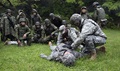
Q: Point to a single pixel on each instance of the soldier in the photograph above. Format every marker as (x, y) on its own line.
(21, 14)
(38, 32)
(90, 34)
(62, 54)
(35, 17)
(50, 31)
(99, 15)
(84, 13)
(56, 20)
(0, 26)
(8, 22)
(23, 33)
(67, 35)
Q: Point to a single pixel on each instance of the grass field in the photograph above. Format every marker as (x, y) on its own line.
(13, 58)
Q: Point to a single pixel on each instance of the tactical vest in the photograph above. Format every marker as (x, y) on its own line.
(22, 31)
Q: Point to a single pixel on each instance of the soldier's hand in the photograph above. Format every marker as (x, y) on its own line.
(19, 42)
(24, 36)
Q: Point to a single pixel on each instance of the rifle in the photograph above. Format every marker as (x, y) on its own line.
(51, 36)
(11, 23)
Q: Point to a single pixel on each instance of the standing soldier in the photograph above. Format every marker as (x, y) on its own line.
(23, 33)
(56, 20)
(21, 14)
(99, 15)
(38, 32)
(0, 25)
(8, 22)
(35, 17)
(50, 30)
(84, 13)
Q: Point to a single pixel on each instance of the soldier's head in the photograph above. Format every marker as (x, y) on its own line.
(63, 30)
(75, 19)
(22, 21)
(84, 9)
(37, 24)
(34, 12)
(68, 59)
(20, 11)
(47, 22)
(9, 11)
(95, 4)
(51, 15)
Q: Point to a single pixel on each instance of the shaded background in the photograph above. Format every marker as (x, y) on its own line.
(64, 8)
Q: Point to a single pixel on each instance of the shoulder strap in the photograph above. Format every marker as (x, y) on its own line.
(81, 25)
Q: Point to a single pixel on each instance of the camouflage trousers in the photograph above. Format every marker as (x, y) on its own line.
(91, 42)
(27, 40)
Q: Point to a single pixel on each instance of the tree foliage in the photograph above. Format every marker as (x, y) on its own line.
(65, 8)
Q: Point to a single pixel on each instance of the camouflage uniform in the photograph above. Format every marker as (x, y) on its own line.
(0, 24)
(56, 20)
(62, 54)
(38, 32)
(99, 15)
(7, 23)
(50, 31)
(91, 34)
(84, 15)
(21, 30)
(21, 14)
(35, 18)
(67, 35)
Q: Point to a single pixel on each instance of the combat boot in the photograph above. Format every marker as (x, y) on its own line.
(101, 49)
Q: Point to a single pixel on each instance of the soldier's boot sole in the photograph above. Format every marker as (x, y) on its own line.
(102, 49)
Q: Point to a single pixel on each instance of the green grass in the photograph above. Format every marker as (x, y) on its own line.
(13, 58)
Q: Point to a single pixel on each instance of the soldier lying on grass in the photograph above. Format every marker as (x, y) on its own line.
(62, 54)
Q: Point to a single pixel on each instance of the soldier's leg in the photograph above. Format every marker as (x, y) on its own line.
(35, 39)
(90, 46)
(12, 38)
(29, 40)
(91, 42)
(46, 39)
(53, 55)
(77, 54)
(6, 37)
(46, 57)
(52, 47)
(20, 42)
(3, 38)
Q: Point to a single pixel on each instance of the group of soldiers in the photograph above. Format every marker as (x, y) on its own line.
(69, 39)
(24, 31)
(73, 44)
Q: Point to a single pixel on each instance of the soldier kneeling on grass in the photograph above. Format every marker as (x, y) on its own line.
(37, 32)
(23, 33)
(90, 34)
